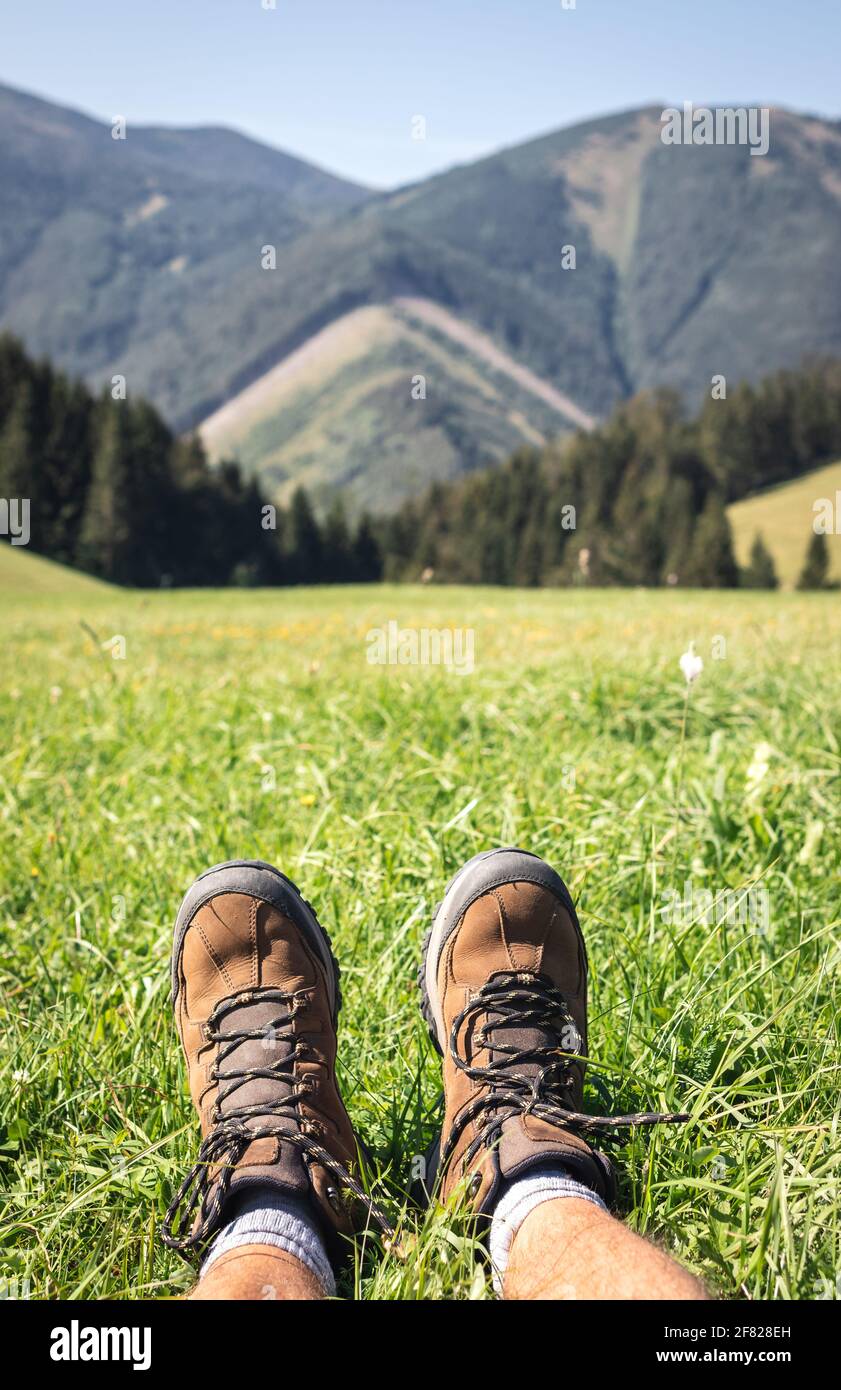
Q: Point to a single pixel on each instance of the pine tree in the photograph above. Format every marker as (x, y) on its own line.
(712, 564)
(337, 558)
(367, 557)
(676, 528)
(21, 467)
(761, 572)
(105, 537)
(17, 464)
(399, 535)
(15, 371)
(306, 553)
(815, 570)
(153, 539)
(189, 462)
(69, 414)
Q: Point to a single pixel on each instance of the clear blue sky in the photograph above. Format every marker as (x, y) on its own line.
(338, 81)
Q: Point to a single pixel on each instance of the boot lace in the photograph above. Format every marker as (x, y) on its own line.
(194, 1212)
(514, 999)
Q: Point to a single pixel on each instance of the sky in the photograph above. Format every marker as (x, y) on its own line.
(340, 82)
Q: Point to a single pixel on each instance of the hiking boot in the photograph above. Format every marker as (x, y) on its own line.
(255, 989)
(504, 987)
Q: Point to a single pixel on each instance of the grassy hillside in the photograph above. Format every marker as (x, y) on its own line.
(252, 724)
(143, 257)
(784, 516)
(23, 573)
(340, 412)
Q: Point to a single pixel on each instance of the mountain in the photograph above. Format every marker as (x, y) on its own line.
(342, 410)
(122, 256)
(143, 257)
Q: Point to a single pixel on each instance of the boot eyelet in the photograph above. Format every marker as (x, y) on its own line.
(475, 1184)
(335, 1200)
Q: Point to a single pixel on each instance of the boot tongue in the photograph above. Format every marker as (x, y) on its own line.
(531, 1037)
(275, 1047)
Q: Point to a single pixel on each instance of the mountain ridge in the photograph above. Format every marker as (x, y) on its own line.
(170, 143)
(690, 262)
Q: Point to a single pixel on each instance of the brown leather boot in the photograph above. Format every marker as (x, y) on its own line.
(255, 989)
(504, 986)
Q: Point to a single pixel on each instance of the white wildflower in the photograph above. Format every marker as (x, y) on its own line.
(691, 664)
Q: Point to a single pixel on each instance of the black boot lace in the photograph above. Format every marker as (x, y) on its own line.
(194, 1212)
(532, 1080)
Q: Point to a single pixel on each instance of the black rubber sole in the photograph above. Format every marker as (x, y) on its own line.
(266, 883)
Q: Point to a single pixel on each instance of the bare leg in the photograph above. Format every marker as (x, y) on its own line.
(258, 1272)
(570, 1249)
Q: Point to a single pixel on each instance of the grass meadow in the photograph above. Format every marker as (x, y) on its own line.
(251, 724)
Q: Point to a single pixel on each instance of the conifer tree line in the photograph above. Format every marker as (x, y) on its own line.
(112, 491)
(649, 490)
(639, 500)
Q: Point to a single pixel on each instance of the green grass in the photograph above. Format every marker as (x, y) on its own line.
(122, 779)
(23, 573)
(785, 516)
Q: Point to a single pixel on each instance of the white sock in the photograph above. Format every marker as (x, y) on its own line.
(269, 1217)
(520, 1197)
